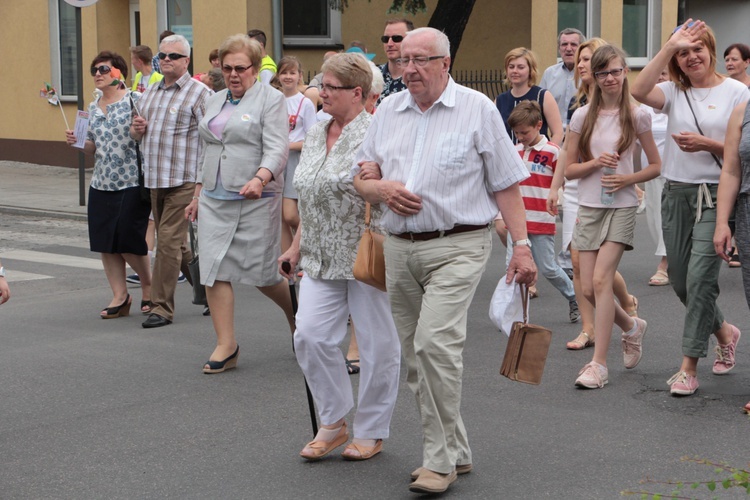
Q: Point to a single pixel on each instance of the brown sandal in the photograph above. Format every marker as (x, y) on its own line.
(581, 342)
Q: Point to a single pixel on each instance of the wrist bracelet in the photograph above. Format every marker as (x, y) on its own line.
(263, 182)
(196, 197)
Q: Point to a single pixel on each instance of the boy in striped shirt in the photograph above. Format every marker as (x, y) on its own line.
(540, 157)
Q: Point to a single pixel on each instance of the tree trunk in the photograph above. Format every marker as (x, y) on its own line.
(450, 17)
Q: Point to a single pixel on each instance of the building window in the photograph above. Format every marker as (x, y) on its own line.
(311, 22)
(641, 22)
(63, 49)
(180, 18)
(583, 15)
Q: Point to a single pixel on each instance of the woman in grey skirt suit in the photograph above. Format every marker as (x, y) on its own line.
(238, 193)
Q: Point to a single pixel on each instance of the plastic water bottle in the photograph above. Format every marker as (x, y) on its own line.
(607, 198)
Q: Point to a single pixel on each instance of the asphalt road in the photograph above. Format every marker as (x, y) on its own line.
(105, 409)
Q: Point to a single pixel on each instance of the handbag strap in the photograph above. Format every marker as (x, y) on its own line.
(695, 118)
(525, 301)
(138, 159)
(193, 242)
(367, 215)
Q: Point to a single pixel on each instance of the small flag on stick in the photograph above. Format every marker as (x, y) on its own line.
(49, 93)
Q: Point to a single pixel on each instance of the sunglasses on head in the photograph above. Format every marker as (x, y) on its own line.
(173, 56)
(395, 38)
(103, 70)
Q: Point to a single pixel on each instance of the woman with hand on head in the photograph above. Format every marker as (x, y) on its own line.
(332, 216)
(697, 101)
(238, 193)
(117, 217)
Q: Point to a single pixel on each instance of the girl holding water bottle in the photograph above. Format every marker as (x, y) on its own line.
(602, 136)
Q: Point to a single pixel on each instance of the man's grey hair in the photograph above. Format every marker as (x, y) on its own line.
(378, 84)
(180, 40)
(442, 44)
(571, 31)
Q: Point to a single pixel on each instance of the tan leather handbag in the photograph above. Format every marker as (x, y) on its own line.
(369, 267)
(527, 348)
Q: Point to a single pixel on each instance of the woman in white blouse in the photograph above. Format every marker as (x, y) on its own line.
(331, 223)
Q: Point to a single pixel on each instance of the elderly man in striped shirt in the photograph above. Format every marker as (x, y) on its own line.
(440, 179)
(168, 131)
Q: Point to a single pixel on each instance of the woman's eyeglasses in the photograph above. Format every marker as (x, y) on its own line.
(602, 75)
(330, 88)
(103, 70)
(237, 69)
(173, 56)
(395, 38)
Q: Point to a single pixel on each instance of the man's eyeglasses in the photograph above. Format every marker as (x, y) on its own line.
(227, 69)
(173, 56)
(330, 88)
(418, 61)
(395, 38)
(103, 70)
(602, 75)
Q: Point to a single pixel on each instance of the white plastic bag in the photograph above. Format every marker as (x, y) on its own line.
(506, 306)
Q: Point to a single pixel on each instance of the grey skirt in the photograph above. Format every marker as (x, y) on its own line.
(240, 240)
(291, 167)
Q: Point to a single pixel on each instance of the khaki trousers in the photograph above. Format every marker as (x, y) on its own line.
(430, 287)
(172, 252)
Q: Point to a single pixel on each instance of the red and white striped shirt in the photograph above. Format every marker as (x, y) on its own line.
(541, 160)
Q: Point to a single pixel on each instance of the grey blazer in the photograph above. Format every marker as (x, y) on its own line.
(256, 135)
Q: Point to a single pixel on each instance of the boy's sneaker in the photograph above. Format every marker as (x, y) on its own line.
(682, 384)
(181, 278)
(593, 376)
(133, 278)
(632, 344)
(725, 354)
(574, 314)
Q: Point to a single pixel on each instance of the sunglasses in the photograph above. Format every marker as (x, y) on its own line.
(395, 38)
(227, 69)
(173, 56)
(103, 70)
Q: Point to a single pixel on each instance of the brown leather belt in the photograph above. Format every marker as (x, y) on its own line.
(431, 235)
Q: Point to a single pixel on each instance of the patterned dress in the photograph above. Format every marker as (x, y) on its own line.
(332, 213)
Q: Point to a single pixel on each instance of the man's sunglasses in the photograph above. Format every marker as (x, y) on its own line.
(395, 38)
(173, 56)
(103, 70)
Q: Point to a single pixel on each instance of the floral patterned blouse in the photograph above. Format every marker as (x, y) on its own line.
(115, 165)
(332, 213)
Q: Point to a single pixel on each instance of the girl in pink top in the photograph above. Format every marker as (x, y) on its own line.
(602, 137)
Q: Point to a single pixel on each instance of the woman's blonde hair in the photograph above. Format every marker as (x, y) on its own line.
(242, 43)
(352, 70)
(530, 60)
(599, 62)
(582, 94)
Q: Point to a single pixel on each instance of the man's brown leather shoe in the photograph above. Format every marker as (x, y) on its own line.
(432, 482)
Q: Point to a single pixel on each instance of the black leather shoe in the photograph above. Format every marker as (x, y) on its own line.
(155, 321)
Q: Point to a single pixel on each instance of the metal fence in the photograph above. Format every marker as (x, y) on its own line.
(487, 81)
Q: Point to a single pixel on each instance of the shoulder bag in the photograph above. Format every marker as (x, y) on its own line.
(199, 291)
(369, 267)
(528, 345)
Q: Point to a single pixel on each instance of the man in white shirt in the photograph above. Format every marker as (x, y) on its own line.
(444, 175)
(558, 78)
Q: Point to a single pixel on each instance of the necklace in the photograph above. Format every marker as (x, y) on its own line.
(232, 101)
(692, 93)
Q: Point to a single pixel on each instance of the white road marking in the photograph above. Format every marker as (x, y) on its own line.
(15, 276)
(52, 258)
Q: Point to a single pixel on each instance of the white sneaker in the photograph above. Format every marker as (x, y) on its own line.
(593, 376)
(632, 344)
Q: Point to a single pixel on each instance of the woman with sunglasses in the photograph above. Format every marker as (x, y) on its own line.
(238, 193)
(697, 101)
(117, 217)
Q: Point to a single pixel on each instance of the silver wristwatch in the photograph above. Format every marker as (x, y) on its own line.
(2, 272)
(525, 243)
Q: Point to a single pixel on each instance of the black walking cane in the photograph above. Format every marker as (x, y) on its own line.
(287, 268)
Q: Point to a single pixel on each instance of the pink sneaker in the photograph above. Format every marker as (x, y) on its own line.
(682, 384)
(631, 344)
(725, 354)
(593, 376)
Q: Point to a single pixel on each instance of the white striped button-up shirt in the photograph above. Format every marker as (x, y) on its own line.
(172, 145)
(454, 156)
